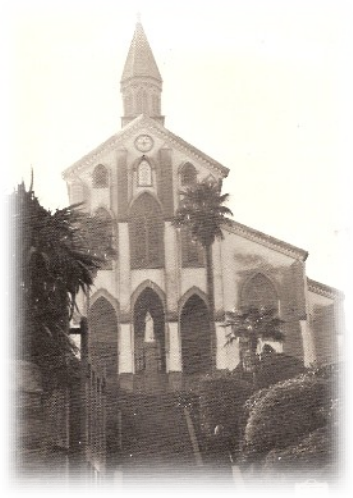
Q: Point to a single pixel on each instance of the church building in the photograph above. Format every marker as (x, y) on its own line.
(148, 309)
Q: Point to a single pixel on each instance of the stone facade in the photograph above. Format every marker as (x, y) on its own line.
(136, 177)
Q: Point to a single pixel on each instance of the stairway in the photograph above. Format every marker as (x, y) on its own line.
(158, 456)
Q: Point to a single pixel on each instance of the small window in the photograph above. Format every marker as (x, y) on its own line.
(128, 105)
(144, 174)
(100, 176)
(156, 107)
(188, 175)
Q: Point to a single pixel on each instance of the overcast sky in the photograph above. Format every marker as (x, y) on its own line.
(260, 86)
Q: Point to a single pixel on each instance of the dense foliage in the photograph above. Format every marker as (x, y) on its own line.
(52, 265)
(294, 421)
(250, 326)
(202, 210)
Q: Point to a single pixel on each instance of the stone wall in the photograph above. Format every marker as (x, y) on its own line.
(22, 449)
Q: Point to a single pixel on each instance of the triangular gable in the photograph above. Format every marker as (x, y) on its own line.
(265, 240)
(129, 130)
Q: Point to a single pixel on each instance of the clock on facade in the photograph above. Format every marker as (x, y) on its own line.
(144, 143)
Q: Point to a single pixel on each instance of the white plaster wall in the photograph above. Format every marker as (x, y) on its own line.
(139, 276)
(239, 254)
(221, 353)
(191, 277)
(106, 279)
(126, 355)
(174, 348)
(308, 343)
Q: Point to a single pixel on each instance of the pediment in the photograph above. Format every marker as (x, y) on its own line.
(142, 124)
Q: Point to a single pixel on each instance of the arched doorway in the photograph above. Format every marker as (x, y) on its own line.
(195, 336)
(149, 329)
(103, 338)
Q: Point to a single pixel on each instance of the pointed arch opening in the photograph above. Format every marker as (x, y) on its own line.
(104, 238)
(149, 332)
(100, 177)
(146, 229)
(144, 173)
(259, 292)
(103, 337)
(188, 175)
(195, 336)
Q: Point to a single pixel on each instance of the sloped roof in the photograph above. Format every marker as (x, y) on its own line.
(266, 240)
(143, 122)
(140, 61)
(324, 290)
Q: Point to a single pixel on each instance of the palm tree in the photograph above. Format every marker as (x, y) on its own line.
(203, 213)
(250, 326)
(52, 265)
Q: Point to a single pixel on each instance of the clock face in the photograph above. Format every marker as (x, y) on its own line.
(144, 143)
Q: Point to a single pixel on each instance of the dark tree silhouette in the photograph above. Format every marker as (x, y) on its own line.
(203, 212)
(52, 264)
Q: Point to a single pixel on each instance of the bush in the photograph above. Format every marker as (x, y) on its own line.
(283, 415)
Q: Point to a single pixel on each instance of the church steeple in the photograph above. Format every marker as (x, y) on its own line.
(141, 82)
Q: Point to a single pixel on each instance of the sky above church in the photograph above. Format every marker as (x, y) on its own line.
(260, 86)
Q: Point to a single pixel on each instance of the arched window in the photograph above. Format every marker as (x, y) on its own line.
(103, 238)
(259, 292)
(146, 229)
(141, 102)
(188, 175)
(156, 106)
(145, 103)
(103, 338)
(128, 104)
(144, 174)
(192, 253)
(100, 176)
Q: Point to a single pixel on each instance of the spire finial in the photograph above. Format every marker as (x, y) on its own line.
(138, 16)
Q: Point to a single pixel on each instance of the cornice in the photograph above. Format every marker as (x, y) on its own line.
(324, 290)
(266, 240)
(128, 131)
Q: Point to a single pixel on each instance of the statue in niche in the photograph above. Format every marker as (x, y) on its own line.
(149, 328)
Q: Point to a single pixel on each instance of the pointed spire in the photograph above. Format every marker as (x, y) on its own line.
(141, 81)
(140, 61)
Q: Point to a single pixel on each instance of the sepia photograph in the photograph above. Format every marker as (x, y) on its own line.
(177, 223)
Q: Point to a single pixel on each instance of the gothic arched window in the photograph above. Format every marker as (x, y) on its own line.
(128, 104)
(103, 238)
(259, 292)
(188, 175)
(156, 107)
(100, 176)
(144, 174)
(146, 229)
(192, 253)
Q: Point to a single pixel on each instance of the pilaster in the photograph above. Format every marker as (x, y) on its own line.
(126, 349)
(175, 364)
(124, 267)
(171, 267)
(221, 351)
(308, 343)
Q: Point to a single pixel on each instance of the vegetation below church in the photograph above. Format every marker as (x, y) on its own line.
(52, 264)
(292, 426)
